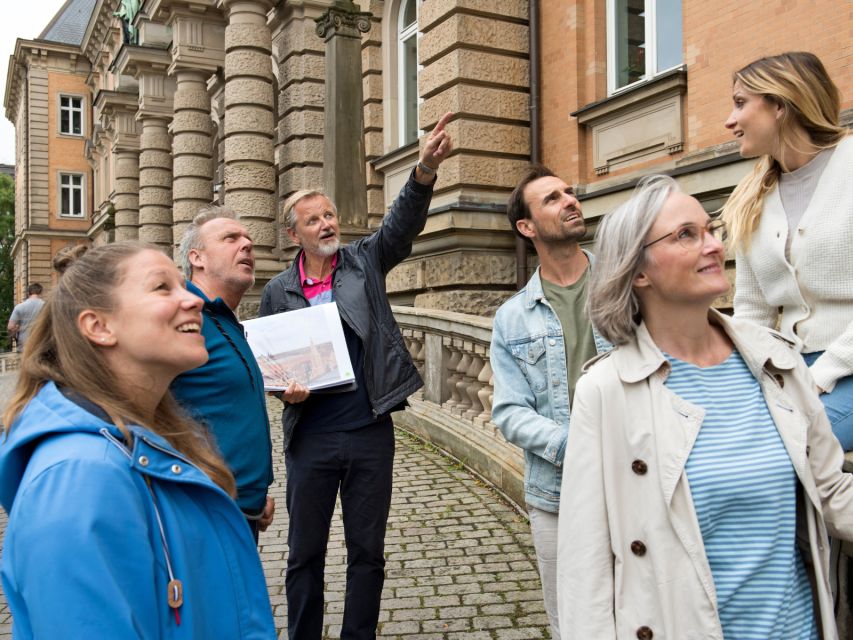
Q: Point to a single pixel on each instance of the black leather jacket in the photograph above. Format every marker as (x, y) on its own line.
(359, 291)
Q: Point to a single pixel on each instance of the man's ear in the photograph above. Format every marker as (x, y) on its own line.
(293, 237)
(526, 228)
(94, 326)
(195, 260)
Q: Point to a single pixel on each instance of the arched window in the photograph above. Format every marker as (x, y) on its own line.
(407, 66)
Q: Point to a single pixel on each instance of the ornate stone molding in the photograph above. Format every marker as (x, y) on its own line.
(343, 19)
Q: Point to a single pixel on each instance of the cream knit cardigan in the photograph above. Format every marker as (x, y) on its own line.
(814, 291)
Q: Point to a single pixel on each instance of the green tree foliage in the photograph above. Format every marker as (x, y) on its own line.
(7, 238)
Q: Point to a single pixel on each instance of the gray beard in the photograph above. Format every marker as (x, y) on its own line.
(330, 249)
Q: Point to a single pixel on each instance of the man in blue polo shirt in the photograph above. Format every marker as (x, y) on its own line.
(227, 393)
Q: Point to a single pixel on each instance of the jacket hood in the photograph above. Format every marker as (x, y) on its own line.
(758, 346)
(48, 413)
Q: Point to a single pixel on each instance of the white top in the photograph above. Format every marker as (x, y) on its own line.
(814, 290)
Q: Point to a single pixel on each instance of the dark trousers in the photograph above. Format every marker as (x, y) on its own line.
(360, 464)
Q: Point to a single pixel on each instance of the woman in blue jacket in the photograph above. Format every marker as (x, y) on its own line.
(121, 517)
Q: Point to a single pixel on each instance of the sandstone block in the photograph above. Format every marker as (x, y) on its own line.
(466, 99)
(156, 234)
(263, 233)
(371, 85)
(252, 205)
(248, 147)
(301, 151)
(301, 123)
(491, 137)
(469, 268)
(244, 90)
(305, 65)
(475, 32)
(300, 177)
(191, 95)
(299, 95)
(127, 185)
(248, 175)
(476, 171)
(191, 167)
(188, 188)
(473, 301)
(152, 201)
(155, 177)
(246, 62)
(192, 122)
(193, 143)
(434, 11)
(126, 232)
(479, 66)
(253, 36)
(248, 119)
(371, 58)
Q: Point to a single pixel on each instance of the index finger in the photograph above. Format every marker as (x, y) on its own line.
(443, 122)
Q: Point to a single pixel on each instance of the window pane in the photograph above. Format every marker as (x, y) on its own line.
(64, 102)
(77, 180)
(409, 94)
(78, 202)
(668, 33)
(630, 41)
(76, 119)
(64, 126)
(409, 14)
(66, 201)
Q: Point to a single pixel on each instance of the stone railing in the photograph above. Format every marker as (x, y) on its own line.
(453, 410)
(9, 362)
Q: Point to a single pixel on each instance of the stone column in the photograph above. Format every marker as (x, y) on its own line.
(127, 194)
(192, 145)
(341, 27)
(249, 125)
(155, 183)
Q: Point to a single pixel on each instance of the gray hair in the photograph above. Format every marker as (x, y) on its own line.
(619, 256)
(191, 239)
(288, 211)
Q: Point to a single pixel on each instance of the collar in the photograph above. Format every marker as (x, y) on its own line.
(533, 288)
(303, 280)
(758, 346)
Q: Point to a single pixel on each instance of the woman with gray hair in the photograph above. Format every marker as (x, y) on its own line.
(698, 450)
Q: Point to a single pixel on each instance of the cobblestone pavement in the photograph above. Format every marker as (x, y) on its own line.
(460, 561)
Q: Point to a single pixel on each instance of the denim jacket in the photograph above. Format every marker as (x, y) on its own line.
(531, 402)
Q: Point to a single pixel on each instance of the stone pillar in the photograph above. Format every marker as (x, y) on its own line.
(126, 201)
(249, 125)
(341, 27)
(192, 146)
(155, 183)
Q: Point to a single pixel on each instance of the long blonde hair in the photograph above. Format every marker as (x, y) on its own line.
(56, 350)
(798, 82)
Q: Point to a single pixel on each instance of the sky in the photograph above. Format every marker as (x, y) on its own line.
(27, 24)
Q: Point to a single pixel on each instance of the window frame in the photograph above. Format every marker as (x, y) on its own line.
(650, 46)
(404, 34)
(71, 110)
(71, 187)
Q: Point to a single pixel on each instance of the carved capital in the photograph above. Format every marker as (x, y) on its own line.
(343, 19)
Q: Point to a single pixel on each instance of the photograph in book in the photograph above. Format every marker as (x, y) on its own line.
(305, 346)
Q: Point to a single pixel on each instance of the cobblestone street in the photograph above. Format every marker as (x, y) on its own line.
(460, 561)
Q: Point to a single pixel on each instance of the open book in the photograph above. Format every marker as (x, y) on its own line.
(305, 346)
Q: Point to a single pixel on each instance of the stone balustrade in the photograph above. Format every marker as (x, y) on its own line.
(453, 410)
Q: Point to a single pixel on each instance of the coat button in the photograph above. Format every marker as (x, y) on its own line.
(552, 342)
(645, 633)
(143, 461)
(639, 467)
(638, 548)
(176, 469)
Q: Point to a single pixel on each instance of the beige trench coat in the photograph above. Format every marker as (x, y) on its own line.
(631, 558)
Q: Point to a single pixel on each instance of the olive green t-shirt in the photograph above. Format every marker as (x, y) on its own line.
(569, 303)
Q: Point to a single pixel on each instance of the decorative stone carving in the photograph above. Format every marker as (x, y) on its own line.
(343, 19)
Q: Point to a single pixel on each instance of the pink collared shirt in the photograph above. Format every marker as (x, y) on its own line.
(317, 291)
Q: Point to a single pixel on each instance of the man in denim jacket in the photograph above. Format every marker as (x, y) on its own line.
(541, 338)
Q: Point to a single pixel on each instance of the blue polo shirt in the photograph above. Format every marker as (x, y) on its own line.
(227, 395)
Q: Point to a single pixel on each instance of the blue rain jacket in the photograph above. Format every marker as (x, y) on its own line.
(84, 556)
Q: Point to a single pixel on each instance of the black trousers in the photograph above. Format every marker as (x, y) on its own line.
(359, 463)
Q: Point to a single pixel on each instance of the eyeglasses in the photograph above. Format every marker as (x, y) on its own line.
(692, 236)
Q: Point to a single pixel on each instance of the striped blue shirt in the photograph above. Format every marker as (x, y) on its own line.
(744, 490)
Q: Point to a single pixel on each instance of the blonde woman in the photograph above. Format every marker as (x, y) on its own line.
(121, 517)
(698, 450)
(791, 219)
